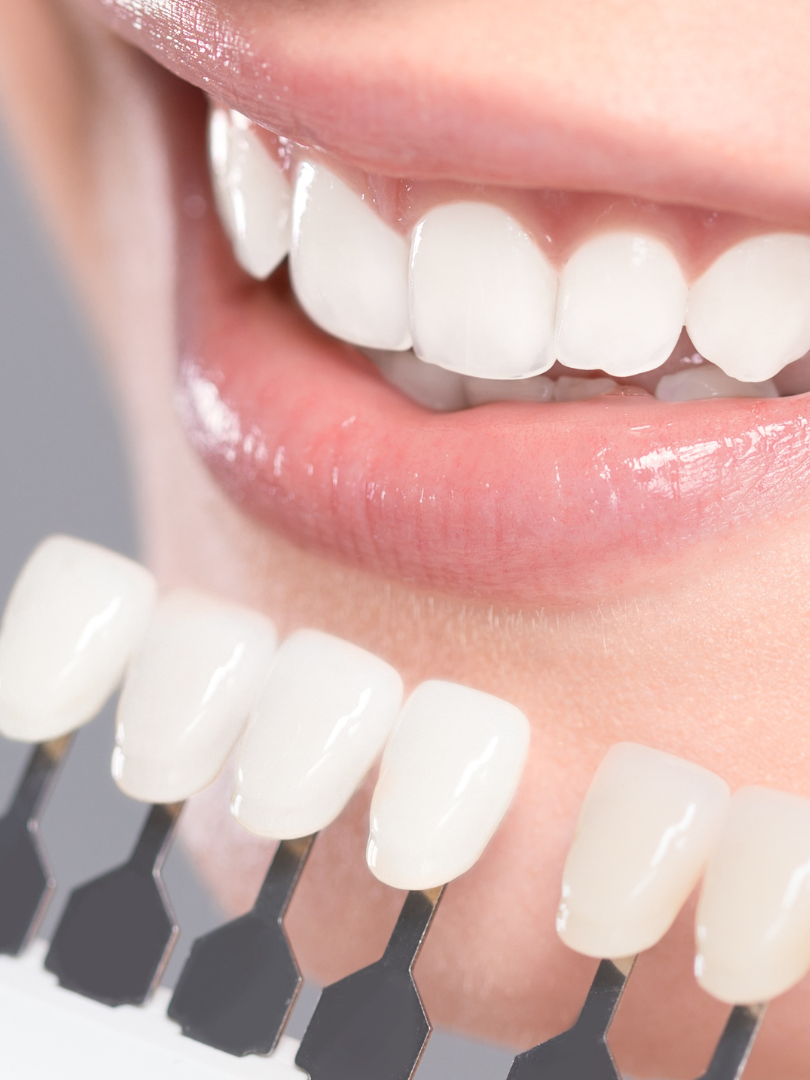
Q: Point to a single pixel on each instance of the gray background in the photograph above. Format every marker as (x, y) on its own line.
(62, 470)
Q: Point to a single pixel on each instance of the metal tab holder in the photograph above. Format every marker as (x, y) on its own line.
(26, 884)
(372, 1024)
(240, 982)
(735, 1044)
(117, 931)
(582, 1051)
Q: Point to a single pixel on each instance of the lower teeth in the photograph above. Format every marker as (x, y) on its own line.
(446, 391)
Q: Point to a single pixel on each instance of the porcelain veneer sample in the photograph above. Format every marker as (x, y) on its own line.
(188, 695)
(645, 831)
(321, 721)
(753, 919)
(73, 618)
(448, 775)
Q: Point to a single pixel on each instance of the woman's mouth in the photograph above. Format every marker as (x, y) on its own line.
(521, 395)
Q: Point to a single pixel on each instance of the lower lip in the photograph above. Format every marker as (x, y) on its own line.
(519, 502)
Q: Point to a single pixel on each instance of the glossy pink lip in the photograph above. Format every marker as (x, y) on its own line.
(516, 502)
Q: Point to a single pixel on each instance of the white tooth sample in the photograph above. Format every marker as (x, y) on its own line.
(251, 192)
(188, 695)
(426, 384)
(753, 918)
(621, 304)
(645, 831)
(319, 725)
(448, 775)
(570, 388)
(484, 391)
(481, 294)
(750, 312)
(708, 381)
(349, 269)
(72, 620)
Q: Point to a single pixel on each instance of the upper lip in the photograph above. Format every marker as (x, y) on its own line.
(371, 83)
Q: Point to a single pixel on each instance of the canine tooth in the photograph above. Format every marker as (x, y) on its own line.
(426, 384)
(753, 919)
(570, 388)
(72, 620)
(447, 777)
(644, 833)
(750, 312)
(481, 294)
(188, 694)
(621, 304)
(349, 269)
(322, 718)
(484, 391)
(708, 381)
(251, 193)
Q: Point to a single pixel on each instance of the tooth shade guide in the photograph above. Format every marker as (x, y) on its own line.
(753, 917)
(319, 724)
(26, 884)
(74, 616)
(373, 1022)
(448, 775)
(50, 1032)
(239, 984)
(582, 1051)
(645, 831)
(188, 695)
(116, 933)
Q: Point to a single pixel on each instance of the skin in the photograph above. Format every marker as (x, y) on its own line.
(710, 663)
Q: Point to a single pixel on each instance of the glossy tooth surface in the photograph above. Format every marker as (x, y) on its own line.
(753, 919)
(320, 723)
(621, 304)
(447, 777)
(349, 269)
(484, 391)
(708, 381)
(643, 836)
(481, 294)
(188, 694)
(426, 384)
(750, 312)
(251, 192)
(570, 388)
(72, 620)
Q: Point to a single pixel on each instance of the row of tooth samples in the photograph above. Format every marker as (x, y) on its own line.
(470, 291)
(313, 716)
(310, 717)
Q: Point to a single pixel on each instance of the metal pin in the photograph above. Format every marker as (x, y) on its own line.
(117, 932)
(26, 884)
(735, 1044)
(240, 982)
(582, 1051)
(372, 1023)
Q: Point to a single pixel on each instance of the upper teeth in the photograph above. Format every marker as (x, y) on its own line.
(481, 294)
(749, 313)
(252, 194)
(476, 296)
(621, 306)
(348, 268)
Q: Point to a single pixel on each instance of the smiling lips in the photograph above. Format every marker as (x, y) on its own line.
(538, 501)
